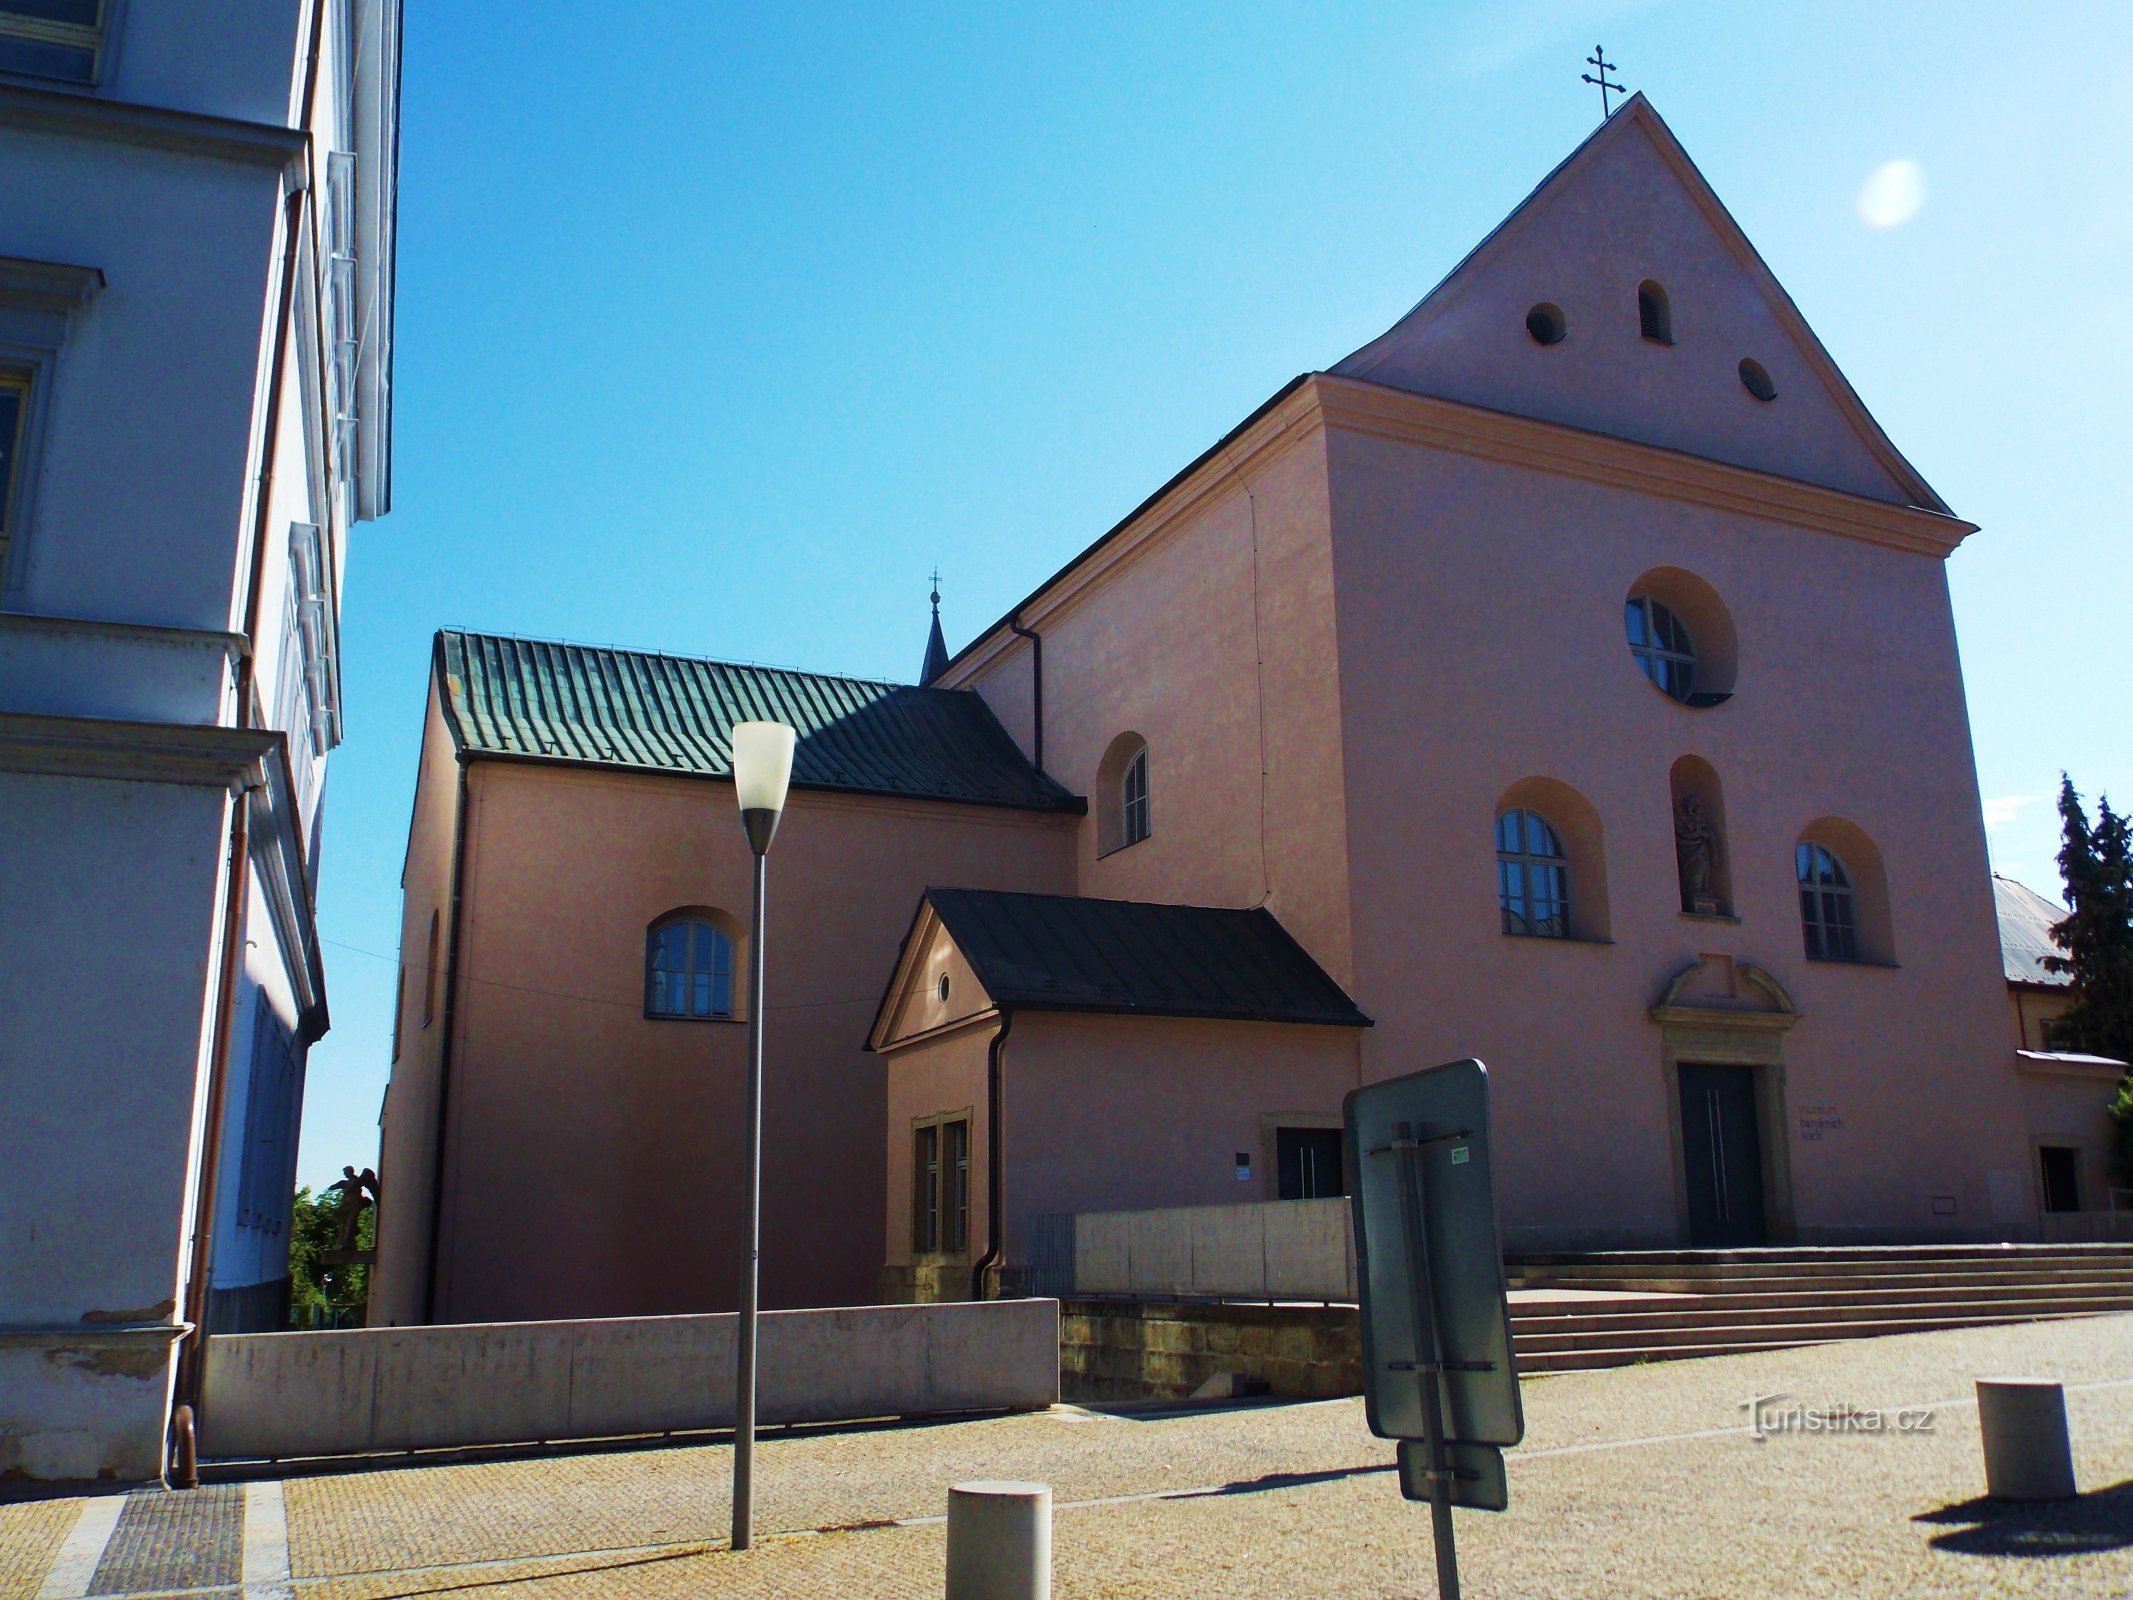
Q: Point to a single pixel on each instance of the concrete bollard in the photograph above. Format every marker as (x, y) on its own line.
(1000, 1540)
(2028, 1455)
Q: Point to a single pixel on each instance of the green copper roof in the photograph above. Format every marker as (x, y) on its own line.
(536, 699)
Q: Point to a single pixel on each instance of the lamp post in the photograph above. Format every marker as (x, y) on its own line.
(762, 767)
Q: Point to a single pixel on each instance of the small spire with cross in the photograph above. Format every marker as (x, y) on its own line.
(936, 646)
(1598, 58)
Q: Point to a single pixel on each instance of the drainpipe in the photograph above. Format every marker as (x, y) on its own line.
(1036, 683)
(184, 1418)
(444, 1044)
(995, 1162)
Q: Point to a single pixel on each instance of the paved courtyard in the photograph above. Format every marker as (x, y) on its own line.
(1639, 1481)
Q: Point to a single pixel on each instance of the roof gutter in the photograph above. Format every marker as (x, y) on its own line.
(188, 1384)
(995, 1162)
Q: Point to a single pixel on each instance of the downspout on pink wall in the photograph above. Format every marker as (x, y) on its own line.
(995, 1164)
(444, 1046)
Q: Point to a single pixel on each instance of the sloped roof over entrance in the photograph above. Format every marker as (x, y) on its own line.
(1626, 208)
(1045, 952)
(538, 700)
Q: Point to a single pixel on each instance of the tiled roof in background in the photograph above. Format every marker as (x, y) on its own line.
(1050, 952)
(537, 699)
(2026, 919)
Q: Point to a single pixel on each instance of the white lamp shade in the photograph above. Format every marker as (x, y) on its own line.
(762, 764)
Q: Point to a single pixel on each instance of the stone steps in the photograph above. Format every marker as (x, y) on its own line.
(1677, 1304)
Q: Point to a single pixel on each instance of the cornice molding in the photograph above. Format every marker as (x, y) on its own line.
(47, 285)
(1283, 426)
(140, 752)
(1357, 405)
(192, 133)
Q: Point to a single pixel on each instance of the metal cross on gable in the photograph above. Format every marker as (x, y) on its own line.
(1598, 58)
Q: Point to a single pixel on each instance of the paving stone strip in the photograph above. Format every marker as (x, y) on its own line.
(1633, 1482)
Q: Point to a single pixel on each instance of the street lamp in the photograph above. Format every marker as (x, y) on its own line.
(762, 767)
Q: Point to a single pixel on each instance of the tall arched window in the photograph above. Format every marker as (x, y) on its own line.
(688, 968)
(1122, 814)
(1655, 318)
(1828, 918)
(1133, 799)
(1532, 876)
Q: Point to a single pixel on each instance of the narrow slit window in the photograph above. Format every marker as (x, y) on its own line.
(1655, 315)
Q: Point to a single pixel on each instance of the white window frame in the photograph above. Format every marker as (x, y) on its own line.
(1134, 819)
(101, 36)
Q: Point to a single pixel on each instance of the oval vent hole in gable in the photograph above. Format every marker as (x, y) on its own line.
(1755, 378)
(1546, 323)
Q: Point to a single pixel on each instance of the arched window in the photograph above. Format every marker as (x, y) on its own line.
(1532, 876)
(1122, 813)
(1133, 799)
(688, 968)
(1660, 641)
(1828, 917)
(1655, 318)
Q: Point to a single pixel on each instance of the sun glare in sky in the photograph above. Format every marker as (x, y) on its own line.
(1892, 195)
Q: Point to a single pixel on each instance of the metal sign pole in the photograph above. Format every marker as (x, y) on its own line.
(1429, 1363)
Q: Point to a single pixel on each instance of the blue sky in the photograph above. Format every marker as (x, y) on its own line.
(718, 330)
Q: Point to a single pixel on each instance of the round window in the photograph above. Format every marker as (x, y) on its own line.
(944, 988)
(1755, 378)
(1660, 641)
(1546, 323)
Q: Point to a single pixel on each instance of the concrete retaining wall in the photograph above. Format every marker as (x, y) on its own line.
(273, 1395)
(1275, 1250)
(1148, 1350)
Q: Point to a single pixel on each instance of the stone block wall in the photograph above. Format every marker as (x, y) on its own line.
(1111, 1350)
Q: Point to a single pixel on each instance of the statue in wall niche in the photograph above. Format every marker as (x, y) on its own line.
(351, 1203)
(1696, 851)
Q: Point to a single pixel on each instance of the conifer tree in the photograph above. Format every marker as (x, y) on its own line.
(2097, 936)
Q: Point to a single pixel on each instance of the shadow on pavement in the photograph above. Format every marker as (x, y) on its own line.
(457, 1581)
(2090, 1523)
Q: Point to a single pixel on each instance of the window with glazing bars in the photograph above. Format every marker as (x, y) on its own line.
(61, 39)
(688, 970)
(1661, 643)
(1532, 876)
(1133, 799)
(1827, 920)
(940, 1187)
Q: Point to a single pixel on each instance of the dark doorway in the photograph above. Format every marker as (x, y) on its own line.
(1722, 1155)
(2062, 1176)
(1307, 1163)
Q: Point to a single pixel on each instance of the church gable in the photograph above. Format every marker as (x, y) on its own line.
(1628, 210)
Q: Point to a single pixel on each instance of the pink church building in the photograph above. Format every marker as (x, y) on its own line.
(1567, 678)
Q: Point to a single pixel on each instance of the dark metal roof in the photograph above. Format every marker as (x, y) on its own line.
(1049, 952)
(535, 699)
(2026, 919)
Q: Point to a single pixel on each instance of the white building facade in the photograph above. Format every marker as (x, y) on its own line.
(196, 287)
